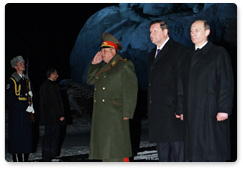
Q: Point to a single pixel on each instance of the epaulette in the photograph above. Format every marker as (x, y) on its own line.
(16, 77)
(124, 59)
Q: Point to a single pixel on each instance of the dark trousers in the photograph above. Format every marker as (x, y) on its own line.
(171, 151)
(50, 142)
(23, 157)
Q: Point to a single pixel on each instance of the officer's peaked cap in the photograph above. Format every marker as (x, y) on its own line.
(109, 41)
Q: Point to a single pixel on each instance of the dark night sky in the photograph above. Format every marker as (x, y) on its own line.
(45, 33)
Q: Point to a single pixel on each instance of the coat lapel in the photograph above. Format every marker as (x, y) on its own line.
(151, 57)
(163, 51)
(197, 55)
(107, 66)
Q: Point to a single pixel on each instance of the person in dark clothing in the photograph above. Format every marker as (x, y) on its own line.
(51, 115)
(205, 97)
(164, 128)
(19, 125)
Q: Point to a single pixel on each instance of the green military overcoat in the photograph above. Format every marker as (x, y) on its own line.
(115, 97)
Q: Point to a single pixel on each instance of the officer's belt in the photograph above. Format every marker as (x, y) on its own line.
(22, 98)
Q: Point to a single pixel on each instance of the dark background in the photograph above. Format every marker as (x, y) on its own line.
(45, 33)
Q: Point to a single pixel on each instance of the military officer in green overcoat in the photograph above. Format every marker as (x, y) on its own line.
(115, 98)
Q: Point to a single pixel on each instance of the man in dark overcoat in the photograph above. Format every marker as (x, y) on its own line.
(205, 91)
(19, 125)
(115, 98)
(51, 115)
(164, 128)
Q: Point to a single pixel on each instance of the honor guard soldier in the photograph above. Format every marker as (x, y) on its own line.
(115, 98)
(19, 124)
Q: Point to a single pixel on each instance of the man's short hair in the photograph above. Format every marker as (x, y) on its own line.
(206, 25)
(50, 71)
(163, 24)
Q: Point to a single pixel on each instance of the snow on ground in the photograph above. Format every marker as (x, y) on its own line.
(76, 143)
(84, 150)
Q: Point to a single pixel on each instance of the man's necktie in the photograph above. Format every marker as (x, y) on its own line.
(158, 50)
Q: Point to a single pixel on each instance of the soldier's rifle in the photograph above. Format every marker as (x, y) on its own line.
(28, 86)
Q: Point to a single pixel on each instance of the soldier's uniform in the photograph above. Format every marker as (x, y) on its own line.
(115, 97)
(19, 125)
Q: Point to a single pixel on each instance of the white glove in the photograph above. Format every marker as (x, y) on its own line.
(30, 109)
(30, 93)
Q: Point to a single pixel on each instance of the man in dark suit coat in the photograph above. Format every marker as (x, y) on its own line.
(51, 115)
(205, 91)
(164, 128)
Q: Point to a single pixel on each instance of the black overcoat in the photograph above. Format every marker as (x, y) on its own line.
(51, 106)
(162, 73)
(19, 125)
(205, 87)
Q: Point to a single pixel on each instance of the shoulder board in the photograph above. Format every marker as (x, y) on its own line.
(124, 59)
(115, 62)
(16, 77)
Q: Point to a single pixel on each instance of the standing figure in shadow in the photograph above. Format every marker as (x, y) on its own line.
(51, 115)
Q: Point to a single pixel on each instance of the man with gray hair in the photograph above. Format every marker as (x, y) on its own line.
(19, 125)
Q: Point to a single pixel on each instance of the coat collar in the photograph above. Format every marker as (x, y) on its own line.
(163, 51)
(16, 76)
(110, 64)
(203, 50)
(197, 55)
(114, 60)
(50, 81)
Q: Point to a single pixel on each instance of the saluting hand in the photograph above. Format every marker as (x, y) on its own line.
(97, 58)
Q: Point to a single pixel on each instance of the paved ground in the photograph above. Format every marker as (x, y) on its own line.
(75, 148)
